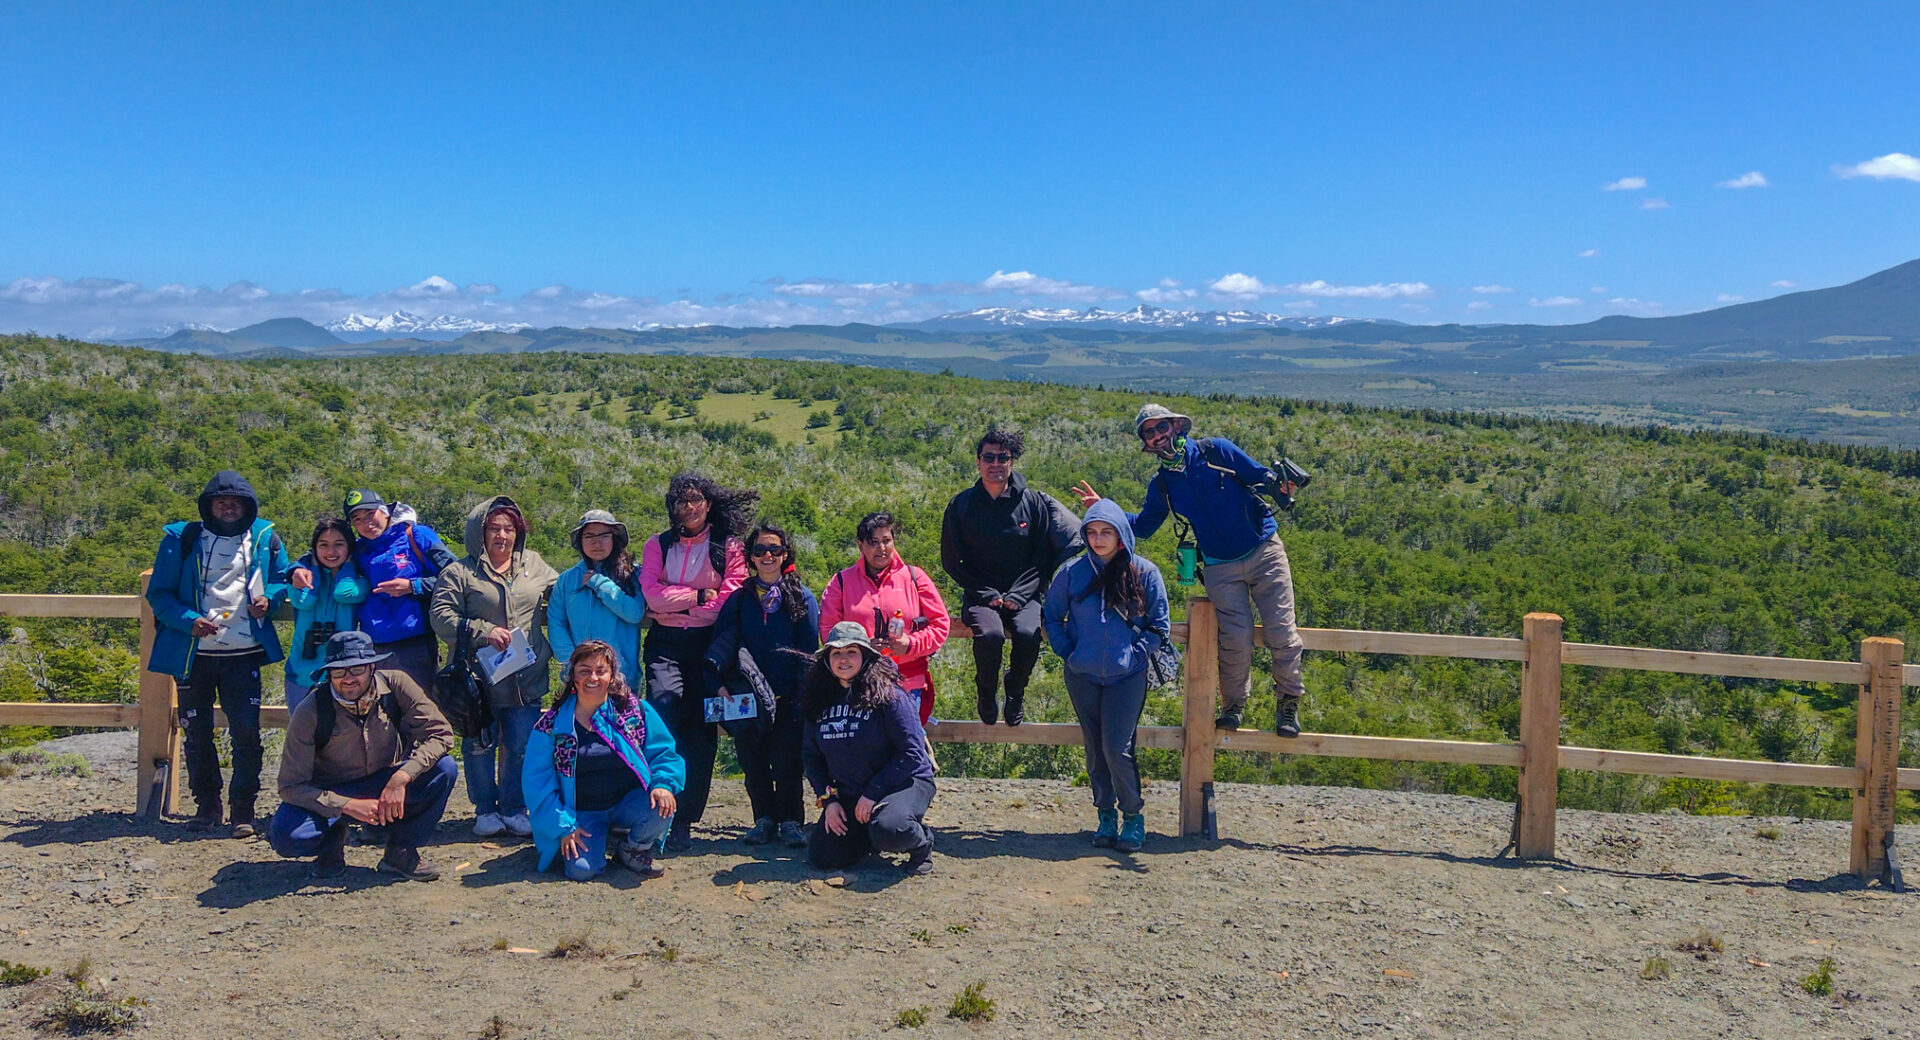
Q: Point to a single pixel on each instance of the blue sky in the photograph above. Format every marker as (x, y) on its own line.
(755, 164)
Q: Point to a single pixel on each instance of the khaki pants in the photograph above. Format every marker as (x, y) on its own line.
(1260, 579)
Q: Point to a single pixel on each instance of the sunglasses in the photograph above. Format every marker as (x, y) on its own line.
(996, 456)
(690, 499)
(767, 550)
(1156, 428)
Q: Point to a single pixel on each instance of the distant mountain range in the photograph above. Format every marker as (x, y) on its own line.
(988, 319)
(360, 328)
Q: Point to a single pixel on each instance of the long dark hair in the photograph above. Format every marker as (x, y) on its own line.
(792, 590)
(729, 514)
(875, 687)
(618, 692)
(1119, 583)
(331, 522)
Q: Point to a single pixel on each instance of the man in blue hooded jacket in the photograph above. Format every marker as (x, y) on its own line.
(1246, 564)
(214, 581)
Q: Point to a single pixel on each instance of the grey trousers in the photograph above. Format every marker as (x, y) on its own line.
(1259, 579)
(1109, 714)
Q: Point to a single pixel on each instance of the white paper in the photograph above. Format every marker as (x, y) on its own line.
(498, 664)
(732, 707)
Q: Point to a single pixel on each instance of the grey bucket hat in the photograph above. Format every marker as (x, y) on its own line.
(1150, 412)
(346, 649)
(846, 633)
(600, 516)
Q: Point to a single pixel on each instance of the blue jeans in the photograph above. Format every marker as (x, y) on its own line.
(296, 831)
(503, 795)
(634, 812)
(1109, 716)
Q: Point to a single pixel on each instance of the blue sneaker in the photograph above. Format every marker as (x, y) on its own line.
(1133, 833)
(1109, 830)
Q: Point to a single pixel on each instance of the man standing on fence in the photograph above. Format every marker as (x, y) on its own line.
(214, 581)
(1000, 542)
(1209, 483)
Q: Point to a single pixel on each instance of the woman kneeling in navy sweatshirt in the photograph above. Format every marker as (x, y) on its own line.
(866, 756)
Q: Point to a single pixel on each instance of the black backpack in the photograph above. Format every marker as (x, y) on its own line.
(326, 710)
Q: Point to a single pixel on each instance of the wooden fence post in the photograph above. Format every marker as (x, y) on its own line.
(1877, 753)
(159, 730)
(1202, 683)
(1539, 737)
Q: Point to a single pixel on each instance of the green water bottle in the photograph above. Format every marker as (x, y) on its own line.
(1189, 562)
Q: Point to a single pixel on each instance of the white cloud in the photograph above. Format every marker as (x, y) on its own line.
(1587, 254)
(1750, 179)
(1891, 166)
(1626, 184)
(1635, 306)
(1727, 297)
(1480, 305)
(1376, 291)
(1784, 284)
(1556, 301)
(1026, 283)
(483, 289)
(1169, 283)
(1655, 203)
(1240, 285)
(1166, 297)
(1489, 290)
(433, 287)
(1302, 306)
(824, 288)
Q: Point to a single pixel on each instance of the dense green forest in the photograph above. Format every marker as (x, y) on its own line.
(1416, 521)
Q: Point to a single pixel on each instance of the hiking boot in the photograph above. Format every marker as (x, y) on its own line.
(761, 833)
(332, 860)
(1133, 833)
(242, 822)
(989, 708)
(405, 861)
(679, 839)
(1286, 717)
(1228, 720)
(792, 835)
(919, 862)
(517, 824)
(638, 857)
(1109, 830)
(1016, 708)
(488, 824)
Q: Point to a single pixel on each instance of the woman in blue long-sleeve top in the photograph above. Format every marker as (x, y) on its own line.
(599, 597)
(322, 605)
(1105, 615)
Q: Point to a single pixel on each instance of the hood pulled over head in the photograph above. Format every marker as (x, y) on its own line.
(1109, 512)
(227, 482)
(477, 524)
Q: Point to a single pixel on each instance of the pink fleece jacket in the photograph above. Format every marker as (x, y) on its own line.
(853, 596)
(671, 581)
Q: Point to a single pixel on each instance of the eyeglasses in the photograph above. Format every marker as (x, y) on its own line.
(691, 498)
(1156, 428)
(356, 669)
(996, 456)
(767, 550)
(607, 537)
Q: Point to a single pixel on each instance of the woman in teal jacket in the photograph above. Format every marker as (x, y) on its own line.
(600, 759)
(322, 604)
(599, 597)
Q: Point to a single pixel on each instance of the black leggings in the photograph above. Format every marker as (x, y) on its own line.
(894, 827)
(675, 662)
(771, 761)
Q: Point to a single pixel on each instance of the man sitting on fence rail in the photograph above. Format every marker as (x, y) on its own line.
(367, 745)
(214, 581)
(1209, 482)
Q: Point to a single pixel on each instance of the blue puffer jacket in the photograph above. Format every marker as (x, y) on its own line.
(176, 588)
(390, 619)
(640, 738)
(1094, 641)
(330, 601)
(596, 608)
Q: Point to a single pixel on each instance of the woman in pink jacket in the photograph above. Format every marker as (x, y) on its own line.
(895, 602)
(686, 573)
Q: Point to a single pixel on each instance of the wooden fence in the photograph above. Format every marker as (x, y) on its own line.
(1875, 777)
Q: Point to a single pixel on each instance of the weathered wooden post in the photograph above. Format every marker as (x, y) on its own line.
(1202, 684)
(1877, 753)
(159, 728)
(1539, 737)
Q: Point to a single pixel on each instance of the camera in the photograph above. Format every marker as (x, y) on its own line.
(317, 637)
(1285, 471)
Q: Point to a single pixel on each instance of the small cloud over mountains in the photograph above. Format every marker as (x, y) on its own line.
(1556, 301)
(1654, 203)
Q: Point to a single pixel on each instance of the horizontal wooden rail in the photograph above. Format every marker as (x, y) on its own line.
(1910, 675)
(1792, 774)
(77, 716)
(1690, 662)
(1399, 749)
(1411, 644)
(15, 605)
(1909, 779)
(1057, 734)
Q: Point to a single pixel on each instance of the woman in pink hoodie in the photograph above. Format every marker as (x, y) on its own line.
(686, 573)
(895, 602)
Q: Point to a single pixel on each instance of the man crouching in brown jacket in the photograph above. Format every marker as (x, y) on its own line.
(368, 745)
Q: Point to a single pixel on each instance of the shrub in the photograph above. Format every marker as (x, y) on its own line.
(12, 974)
(911, 1018)
(1820, 982)
(972, 1005)
(1657, 967)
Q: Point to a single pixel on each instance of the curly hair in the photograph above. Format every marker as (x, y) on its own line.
(872, 523)
(1009, 440)
(730, 514)
(618, 692)
(792, 589)
(874, 688)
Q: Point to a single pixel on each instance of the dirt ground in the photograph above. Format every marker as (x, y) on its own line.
(1320, 912)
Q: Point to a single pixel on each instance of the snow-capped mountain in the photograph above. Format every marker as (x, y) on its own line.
(1141, 317)
(357, 328)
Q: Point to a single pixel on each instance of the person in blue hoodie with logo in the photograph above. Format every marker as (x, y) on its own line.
(214, 582)
(599, 597)
(600, 759)
(1105, 615)
(402, 561)
(322, 606)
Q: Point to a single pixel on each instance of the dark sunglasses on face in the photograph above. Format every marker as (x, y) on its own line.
(1156, 428)
(996, 456)
(690, 500)
(767, 550)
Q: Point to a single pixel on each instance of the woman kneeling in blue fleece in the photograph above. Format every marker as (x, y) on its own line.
(599, 759)
(866, 756)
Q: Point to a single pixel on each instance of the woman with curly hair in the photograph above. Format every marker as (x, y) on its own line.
(866, 756)
(686, 574)
(600, 759)
(766, 631)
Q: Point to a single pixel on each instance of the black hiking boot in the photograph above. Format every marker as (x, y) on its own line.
(1286, 721)
(1016, 708)
(919, 862)
(242, 821)
(1228, 720)
(207, 817)
(405, 861)
(332, 859)
(989, 708)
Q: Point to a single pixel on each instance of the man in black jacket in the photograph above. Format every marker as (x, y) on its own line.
(1000, 541)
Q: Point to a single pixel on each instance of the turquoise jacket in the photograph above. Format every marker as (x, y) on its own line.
(330, 601)
(639, 737)
(596, 609)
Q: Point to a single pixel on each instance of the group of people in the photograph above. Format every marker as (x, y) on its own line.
(712, 628)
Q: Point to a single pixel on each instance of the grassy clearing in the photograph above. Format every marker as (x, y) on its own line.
(784, 418)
